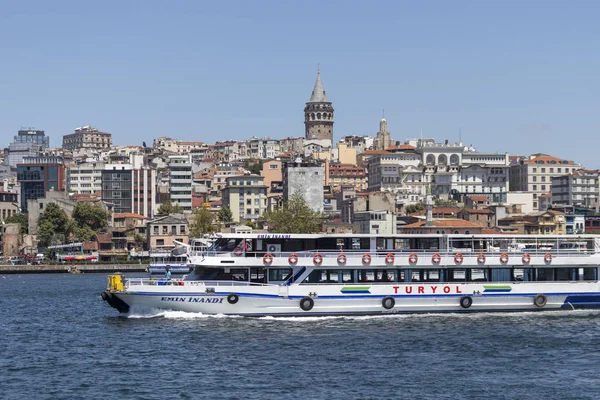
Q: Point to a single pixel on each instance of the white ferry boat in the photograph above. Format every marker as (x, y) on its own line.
(329, 274)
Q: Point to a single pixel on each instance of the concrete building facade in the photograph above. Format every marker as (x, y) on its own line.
(180, 181)
(246, 197)
(307, 180)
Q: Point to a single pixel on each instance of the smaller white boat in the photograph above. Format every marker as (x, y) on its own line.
(163, 257)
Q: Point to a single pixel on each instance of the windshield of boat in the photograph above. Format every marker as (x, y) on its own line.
(225, 244)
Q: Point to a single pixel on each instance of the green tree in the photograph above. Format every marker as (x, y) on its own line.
(167, 208)
(140, 240)
(53, 225)
(295, 217)
(91, 216)
(254, 166)
(413, 208)
(201, 222)
(224, 215)
(22, 219)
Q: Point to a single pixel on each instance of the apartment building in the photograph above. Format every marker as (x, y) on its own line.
(85, 178)
(87, 138)
(245, 196)
(579, 188)
(180, 181)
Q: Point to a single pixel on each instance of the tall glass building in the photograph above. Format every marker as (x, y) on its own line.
(37, 175)
(27, 143)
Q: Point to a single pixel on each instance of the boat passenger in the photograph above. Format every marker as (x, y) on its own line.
(168, 273)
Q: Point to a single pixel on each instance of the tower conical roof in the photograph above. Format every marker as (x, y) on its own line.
(318, 93)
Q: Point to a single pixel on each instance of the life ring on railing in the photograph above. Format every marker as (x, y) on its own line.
(526, 258)
(237, 251)
(458, 258)
(413, 258)
(548, 257)
(293, 259)
(389, 258)
(268, 258)
(504, 258)
(366, 258)
(318, 259)
(341, 259)
(436, 258)
(481, 258)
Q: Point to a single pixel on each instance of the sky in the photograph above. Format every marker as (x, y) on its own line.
(517, 77)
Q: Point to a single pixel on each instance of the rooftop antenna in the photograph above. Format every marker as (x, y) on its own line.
(383, 113)
(459, 134)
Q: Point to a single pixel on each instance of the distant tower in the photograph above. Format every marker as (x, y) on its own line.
(383, 139)
(318, 113)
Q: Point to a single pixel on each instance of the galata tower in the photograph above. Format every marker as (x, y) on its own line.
(318, 113)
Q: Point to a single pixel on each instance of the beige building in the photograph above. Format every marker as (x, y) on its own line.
(9, 205)
(246, 197)
(344, 154)
(534, 174)
(383, 139)
(86, 138)
(165, 230)
(271, 172)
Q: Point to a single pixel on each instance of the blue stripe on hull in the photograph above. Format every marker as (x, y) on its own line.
(582, 301)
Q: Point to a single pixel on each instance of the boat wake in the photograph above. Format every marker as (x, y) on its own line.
(174, 315)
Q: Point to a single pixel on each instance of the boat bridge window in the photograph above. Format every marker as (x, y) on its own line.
(220, 274)
(225, 244)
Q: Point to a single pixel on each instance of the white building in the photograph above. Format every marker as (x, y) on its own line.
(85, 178)
(375, 222)
(180, 181)
(306, 179)
(579, 188)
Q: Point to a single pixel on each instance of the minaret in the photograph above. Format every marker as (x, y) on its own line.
(318, 113)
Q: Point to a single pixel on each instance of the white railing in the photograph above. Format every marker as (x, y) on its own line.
(180, 282)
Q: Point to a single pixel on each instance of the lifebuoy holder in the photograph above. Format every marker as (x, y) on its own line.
(317, 259)
(481, 258)
(548, 257)
(341, 259)
(268, 258)
(413, 258)
(366, 258)
(389, 258)
(504, 258)
(458, 258)
(293, 259)
(526, 258)
(436, 258)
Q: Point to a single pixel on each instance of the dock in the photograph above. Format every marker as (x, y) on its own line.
(72, 268)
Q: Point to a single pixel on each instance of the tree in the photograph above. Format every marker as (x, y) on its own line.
(167, 208)
(295, 217)
(53, 225)
(413, 208)
(254, 166)
(201, 222)
(22, 219)
(91, 216)
(140, 240)
(224, 215)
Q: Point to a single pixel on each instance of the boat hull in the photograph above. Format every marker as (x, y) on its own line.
(289, 301)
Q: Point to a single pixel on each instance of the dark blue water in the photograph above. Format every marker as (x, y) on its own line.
(58, 340)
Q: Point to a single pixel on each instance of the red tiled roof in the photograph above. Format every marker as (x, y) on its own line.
(478, 198)
(444, 223)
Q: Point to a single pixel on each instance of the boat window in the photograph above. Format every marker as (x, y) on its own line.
(218, 274)
(566, 274)
(479, 275)
(457, 275)
(501, 274)
(431, 275)
(322, 276)
(545, 274)
(257, 275)
(279, 274)
(590, 274)
(224, 244)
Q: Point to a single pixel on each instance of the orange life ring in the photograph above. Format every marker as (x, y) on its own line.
(504, 257)
(526, 258)
(268, 258)
(237, 251)
(458, 258)
(389, 258)
(318, 259)
(548, 257)
(413, 258)
(436, 258)
(481, 258)
(341, 259)
(366, 258)
(293, 259)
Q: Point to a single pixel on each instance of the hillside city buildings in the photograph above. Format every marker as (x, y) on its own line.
(360, 183)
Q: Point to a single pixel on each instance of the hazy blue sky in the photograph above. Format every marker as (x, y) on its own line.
(515, 76)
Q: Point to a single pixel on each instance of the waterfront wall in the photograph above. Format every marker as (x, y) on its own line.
(70, 268)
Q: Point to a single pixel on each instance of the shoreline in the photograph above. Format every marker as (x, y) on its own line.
(72, 268)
